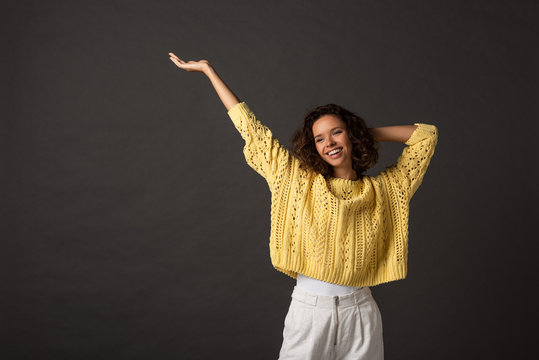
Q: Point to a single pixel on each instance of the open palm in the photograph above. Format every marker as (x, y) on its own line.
(201, 65)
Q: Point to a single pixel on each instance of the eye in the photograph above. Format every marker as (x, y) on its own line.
(337, 132)
(319, 139)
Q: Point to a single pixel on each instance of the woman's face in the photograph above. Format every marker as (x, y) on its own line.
(332, 141)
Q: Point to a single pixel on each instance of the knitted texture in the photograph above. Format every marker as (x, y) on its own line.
(346, 232)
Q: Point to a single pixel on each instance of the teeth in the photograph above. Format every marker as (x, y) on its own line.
(334, 151)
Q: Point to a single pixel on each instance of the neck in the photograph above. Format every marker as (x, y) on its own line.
(348, 174)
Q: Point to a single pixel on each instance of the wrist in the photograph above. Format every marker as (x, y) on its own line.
(209, 70)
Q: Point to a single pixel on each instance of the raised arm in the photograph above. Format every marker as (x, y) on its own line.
(262, 151)
(411, 166)
(225, 94)
(398, 133)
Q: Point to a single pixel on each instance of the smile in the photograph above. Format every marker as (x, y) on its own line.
(335, 153)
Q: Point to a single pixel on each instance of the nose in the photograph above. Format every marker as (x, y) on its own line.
(330, 142)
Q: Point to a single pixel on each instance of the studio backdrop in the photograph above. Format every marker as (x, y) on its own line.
(133, 228)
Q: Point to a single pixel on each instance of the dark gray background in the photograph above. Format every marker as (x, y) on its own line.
(132, 228)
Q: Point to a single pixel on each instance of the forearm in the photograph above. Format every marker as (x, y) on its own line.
(225, 94)
(397, 133)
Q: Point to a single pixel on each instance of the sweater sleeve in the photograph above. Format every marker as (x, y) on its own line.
(412, 164)
(262, 151)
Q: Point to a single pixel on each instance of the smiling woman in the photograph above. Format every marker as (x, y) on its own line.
(331, 126)
(334, 229)
(334, 146)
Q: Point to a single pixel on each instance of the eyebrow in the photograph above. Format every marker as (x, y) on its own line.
(336, 127)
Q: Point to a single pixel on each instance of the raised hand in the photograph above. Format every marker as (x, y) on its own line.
(200, 66)
(225, 94)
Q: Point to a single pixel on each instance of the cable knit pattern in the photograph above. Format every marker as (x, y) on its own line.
(346, 232)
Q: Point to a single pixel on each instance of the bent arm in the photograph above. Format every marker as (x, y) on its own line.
(398, 133)
(223, 91)
(411, 166)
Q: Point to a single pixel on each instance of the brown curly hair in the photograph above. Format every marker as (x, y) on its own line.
(364, 147)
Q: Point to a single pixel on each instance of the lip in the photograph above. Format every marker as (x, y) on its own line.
(335, 148)
(335, 156)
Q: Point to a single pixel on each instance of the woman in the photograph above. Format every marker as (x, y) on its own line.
(333, 228)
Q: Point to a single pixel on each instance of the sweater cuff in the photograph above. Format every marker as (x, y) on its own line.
(422, 131)
(238, 110)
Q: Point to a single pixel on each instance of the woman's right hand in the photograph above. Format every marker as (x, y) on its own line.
(200, 66)
(225, 94)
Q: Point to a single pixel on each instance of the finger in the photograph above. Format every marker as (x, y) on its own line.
(176, 62)
(172, 55)
(180, 60)
(183, 66)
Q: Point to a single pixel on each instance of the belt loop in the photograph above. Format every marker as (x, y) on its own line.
(358, 296)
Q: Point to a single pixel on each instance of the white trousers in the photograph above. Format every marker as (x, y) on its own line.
(345, 327)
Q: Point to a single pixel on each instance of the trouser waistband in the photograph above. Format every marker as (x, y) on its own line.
(322, 301)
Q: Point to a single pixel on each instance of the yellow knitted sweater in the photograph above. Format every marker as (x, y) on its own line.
(346, 232)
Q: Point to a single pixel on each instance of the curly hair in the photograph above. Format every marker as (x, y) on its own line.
(364, 147)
